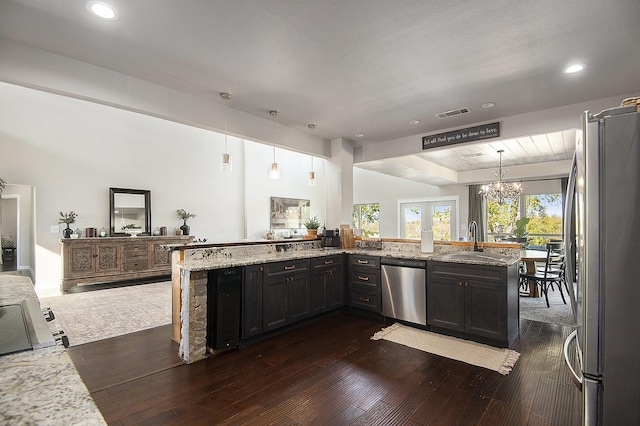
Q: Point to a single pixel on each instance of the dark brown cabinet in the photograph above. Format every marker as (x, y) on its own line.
(475, 300)
(327, 284)
(252, 301)
(286, 297)
(364, 283)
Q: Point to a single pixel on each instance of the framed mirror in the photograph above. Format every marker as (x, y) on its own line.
(289, 212)
(129, 211)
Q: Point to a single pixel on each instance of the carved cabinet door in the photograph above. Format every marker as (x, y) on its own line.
(107, 258)
(81, 260)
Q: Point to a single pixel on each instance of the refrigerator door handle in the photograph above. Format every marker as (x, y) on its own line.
(577, 379)
(569, 207)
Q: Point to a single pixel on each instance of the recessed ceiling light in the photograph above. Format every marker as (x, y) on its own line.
(103, 10)
(359, 135)
(414, 122)
(573, 68)
(488, 105)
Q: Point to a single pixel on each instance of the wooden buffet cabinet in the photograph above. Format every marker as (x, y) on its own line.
(94, 260)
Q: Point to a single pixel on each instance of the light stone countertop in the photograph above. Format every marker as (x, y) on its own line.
(244, 259)
(41, 387)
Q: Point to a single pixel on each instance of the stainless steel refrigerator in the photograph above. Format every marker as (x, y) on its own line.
(605, 183)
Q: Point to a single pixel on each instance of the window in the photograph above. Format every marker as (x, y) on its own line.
(367, 218)
(438, 216)
(501, 218)
(545, 214)
(543, 210)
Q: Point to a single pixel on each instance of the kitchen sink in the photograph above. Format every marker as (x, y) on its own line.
(477, 256)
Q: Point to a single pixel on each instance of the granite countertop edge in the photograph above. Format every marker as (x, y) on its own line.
(284, 256)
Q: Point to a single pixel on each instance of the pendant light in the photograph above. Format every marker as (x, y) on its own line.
(225, 164)
(312, 174)
(274, 172)
(500, 190)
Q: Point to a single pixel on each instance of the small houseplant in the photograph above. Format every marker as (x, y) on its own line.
(67, 218)
(184, 215)
(312, 224)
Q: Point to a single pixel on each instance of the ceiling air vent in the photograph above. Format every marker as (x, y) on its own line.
(452, 112)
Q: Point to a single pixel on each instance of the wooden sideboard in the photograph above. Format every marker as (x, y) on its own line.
(108, 259)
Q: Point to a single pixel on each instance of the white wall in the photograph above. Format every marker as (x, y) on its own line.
(71, 151)
(373, 187)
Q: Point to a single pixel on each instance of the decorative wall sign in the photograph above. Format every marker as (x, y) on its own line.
(485, 131)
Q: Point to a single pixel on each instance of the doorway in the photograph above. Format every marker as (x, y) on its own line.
(440, 216)
(9, 231)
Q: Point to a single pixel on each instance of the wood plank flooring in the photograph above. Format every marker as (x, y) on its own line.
(327, 372)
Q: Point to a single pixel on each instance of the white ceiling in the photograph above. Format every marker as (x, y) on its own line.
(360, 66)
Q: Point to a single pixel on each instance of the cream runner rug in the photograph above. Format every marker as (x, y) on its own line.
(100, 314)
(497, 359)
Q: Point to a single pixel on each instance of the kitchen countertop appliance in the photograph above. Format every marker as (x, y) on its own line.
(331, 239)
(603, 199)
(404, 290)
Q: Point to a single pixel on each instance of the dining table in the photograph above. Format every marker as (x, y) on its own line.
(530, 257)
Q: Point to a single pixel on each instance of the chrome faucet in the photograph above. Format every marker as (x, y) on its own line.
(473, 228)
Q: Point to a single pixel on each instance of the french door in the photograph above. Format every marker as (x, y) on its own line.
(438, 216)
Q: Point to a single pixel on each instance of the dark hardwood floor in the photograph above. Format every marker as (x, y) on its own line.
(326, 372)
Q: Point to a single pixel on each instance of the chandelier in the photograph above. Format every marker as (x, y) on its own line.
(500, 190)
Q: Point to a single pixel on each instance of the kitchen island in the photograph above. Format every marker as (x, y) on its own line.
(192, 265)
(41, 386)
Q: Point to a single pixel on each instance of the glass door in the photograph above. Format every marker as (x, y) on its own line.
(438, 216)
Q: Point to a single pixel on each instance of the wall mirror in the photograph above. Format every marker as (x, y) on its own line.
(289, 213)
(129, 211)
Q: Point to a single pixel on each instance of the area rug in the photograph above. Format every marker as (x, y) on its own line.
(496, 359)
(535, 309)
(101, 314)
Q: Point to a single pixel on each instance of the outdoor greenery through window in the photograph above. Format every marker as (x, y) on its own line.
(367, 218)
(543, 210)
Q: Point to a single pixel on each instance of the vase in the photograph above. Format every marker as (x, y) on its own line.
(185, 228)
(66, 232)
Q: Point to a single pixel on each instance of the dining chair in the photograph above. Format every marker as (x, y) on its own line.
(552, 273)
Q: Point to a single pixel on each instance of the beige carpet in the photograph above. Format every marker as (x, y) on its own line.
(496, 359)
(100, 314)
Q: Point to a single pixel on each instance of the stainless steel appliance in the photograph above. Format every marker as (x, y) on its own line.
(404, 290)
(603, 196)
(331, 239)
(23, 327)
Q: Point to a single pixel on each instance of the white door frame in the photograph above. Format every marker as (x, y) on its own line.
(431, 199)
(18, 245)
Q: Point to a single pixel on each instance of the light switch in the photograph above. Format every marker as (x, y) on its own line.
(55, 229)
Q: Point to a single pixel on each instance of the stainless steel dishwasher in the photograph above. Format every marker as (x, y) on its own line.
(404, 290)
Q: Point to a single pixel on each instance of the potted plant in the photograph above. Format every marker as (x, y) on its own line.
(312, 224)
(67, 218)
(520, 231)
(184, 215)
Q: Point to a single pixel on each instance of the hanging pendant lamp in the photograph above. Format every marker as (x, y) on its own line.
(501, 190)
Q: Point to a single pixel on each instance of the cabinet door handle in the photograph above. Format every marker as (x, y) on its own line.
(288, 268)
(95, 255)
(328, 262)
(363, 278)
(364, 262)
(459, 283)
(364, 299)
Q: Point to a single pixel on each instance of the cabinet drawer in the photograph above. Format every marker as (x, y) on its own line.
(136, 263)
(135, 249)
(287, 267)
(327, 261)
(367, 261)
(365, 278)
(364, 299)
